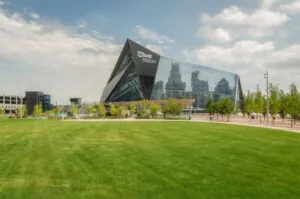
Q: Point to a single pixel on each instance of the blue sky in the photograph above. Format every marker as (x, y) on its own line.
(68, 48)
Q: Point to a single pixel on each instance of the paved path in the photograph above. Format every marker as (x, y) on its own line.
(234, 121)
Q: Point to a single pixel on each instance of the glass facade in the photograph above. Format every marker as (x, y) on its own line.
(182, 80)
(129, 88)
(35, 97)
(142, 74)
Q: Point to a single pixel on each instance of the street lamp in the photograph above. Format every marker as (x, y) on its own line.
(190, 102)
(266, 76)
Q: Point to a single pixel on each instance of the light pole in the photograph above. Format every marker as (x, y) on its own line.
(190, 103)
(266, 75)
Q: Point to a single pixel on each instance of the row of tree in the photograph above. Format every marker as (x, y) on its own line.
(280, 103)
(144, 109)
(224, 107)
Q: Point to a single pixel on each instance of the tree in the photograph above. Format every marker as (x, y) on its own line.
(101, 110)
(249, 104)
(37, 111)
(274, 99)
(40, 109)
(226, 107)
(120, 110)
(171, 107)
(132, 108)
(164, 111)
(1, 111)
(74, 110)
(113, 110)
(92, 110)
(144, 106)
(25, 112)
(210, 107)
(57, 110)
(283, 105)
(220, 107)
(50, 112)
(20, 111)
(154, 108)
(293, 103)
(229, 107)
(178, 109)
(259, 104)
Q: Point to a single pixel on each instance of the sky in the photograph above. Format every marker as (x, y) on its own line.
(69, 48)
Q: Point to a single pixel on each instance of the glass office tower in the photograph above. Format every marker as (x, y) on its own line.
(142, 74)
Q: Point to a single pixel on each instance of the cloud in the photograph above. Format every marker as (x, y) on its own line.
(251, 59)
(292, 7)
(268, 3)
(283, 59)
(257, 23)
(157, 49)
(34, 15)
(240, 52)
(1, 3)
(217, 35)
(55, 58)
(101, 36)
(146, 34)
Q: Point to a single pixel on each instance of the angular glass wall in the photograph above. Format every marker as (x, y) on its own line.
(180, 80)
(128, 88)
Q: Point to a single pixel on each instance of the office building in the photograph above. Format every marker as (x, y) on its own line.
(36, 97)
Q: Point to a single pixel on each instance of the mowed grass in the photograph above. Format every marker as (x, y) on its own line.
(69, 160)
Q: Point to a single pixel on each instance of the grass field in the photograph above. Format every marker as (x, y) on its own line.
(68, 160)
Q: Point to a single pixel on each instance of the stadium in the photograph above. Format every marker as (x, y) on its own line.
(143, 74)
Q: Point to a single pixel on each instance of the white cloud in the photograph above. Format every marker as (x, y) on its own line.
(258, 23)
(283, 59)
(34, 15)
(260, 18)
(292, 7)
(157, 49)
(251, 59)
(268, 3)
(56, 59)
(1, 3)
(217, 35)
(240, 52)
(150, 35)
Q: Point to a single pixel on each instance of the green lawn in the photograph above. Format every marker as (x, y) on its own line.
(51, 159)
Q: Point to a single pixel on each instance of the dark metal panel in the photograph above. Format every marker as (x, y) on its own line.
(145, 60)
(120, 60)
(112, 84)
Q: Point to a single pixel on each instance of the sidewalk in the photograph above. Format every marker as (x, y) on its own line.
(239, 120)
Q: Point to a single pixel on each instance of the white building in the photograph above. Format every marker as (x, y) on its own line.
(11, 103)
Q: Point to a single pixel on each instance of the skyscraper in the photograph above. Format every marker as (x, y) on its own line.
(175, 87)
